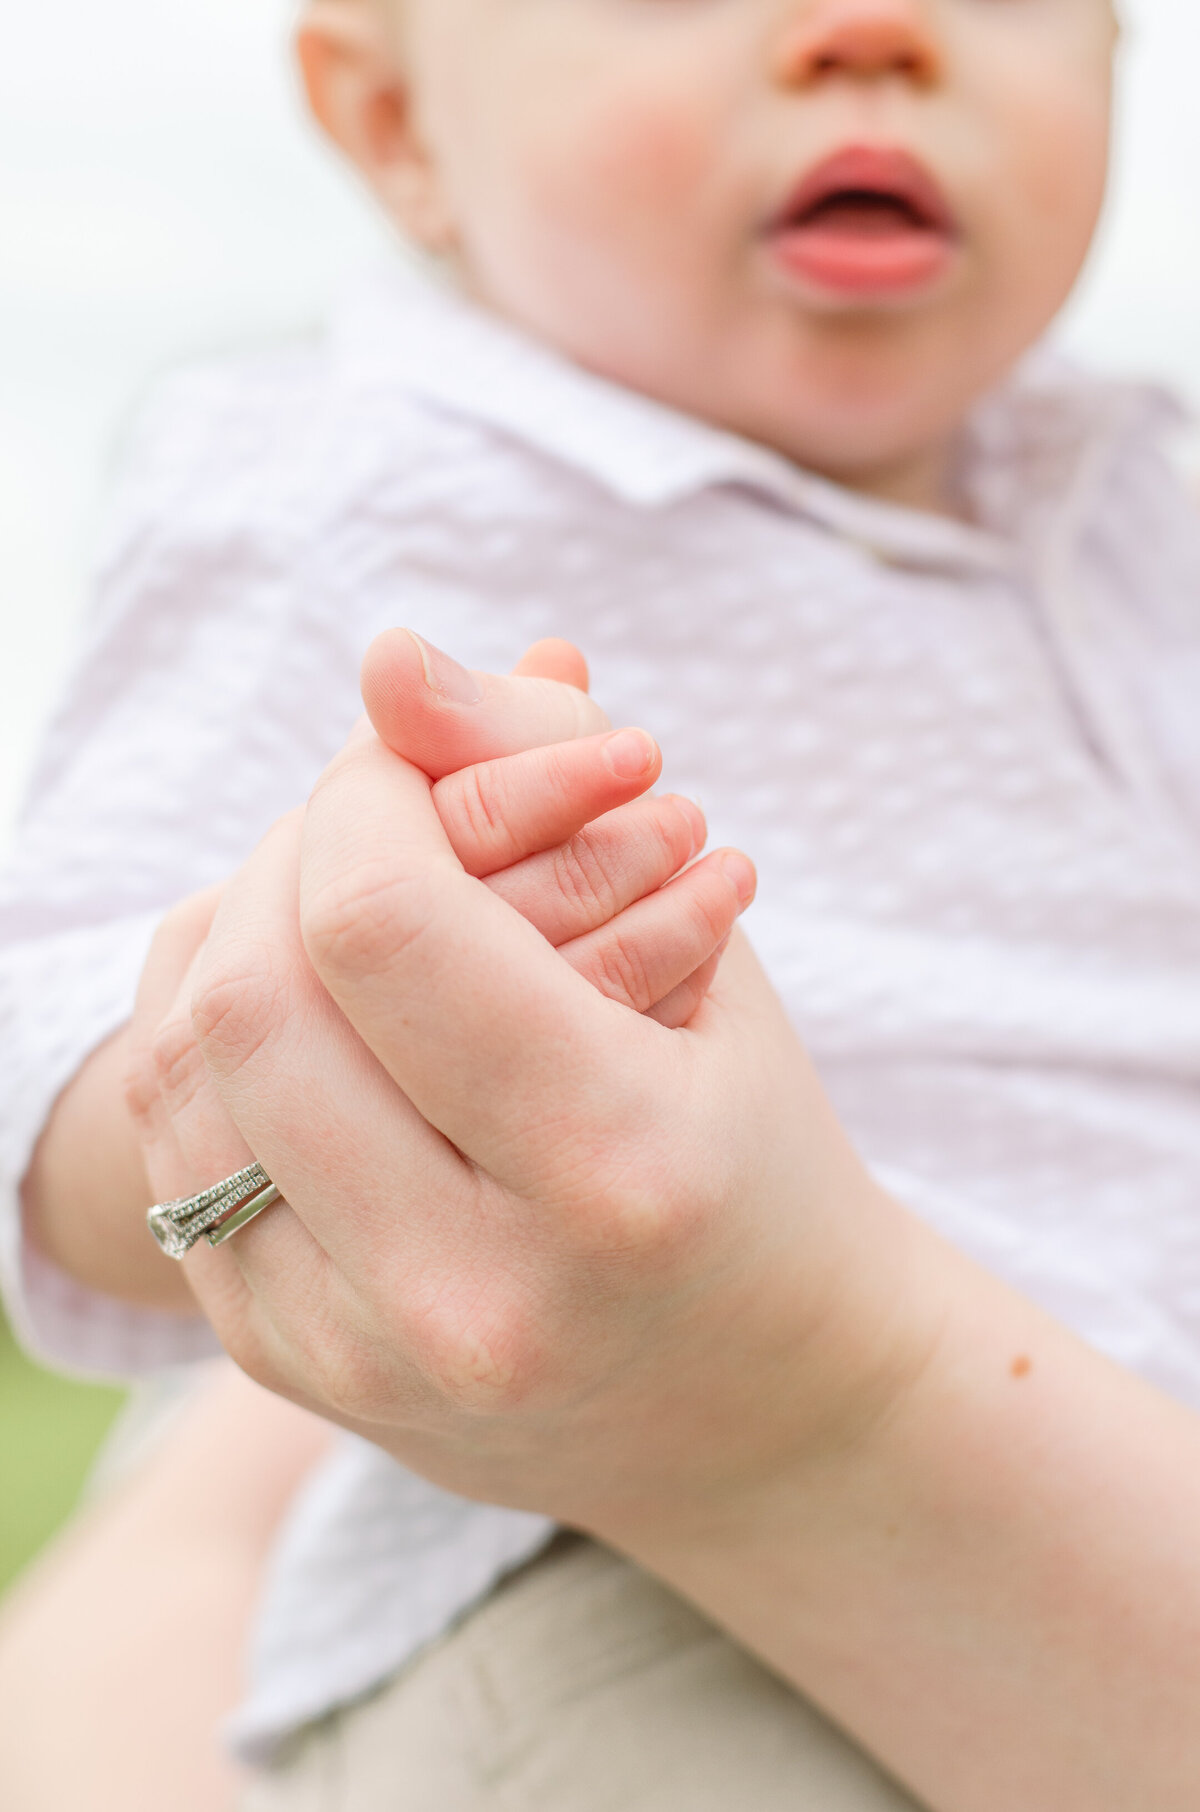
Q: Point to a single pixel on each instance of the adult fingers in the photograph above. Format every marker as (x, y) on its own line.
(587, 880)
(497, 1043)
(642, 956)
(498, 812)
(436, 714)
(416, 1299)
(190, 1142)
(352, 1157)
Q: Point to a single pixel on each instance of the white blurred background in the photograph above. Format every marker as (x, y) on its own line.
(160, 197)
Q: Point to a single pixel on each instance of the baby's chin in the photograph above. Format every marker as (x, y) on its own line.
(886, 432)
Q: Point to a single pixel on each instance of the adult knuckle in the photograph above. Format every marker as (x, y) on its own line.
(140, 1082)
(633, 1220)
(360, 921)
(236, 1006)
(340, 1370)
(345, 1379)
(655, 1223)
(176, 1065)
(475, 1346)
(645, 1211)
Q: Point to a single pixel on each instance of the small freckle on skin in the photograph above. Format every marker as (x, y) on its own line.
(1021, 1366)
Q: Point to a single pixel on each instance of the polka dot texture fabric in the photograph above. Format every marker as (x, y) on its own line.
(965, 758)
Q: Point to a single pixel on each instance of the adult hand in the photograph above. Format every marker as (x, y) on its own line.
(554, 1254)
(535, 1243)
(558, 829)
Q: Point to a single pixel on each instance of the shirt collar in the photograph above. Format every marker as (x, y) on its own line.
(1035, 443)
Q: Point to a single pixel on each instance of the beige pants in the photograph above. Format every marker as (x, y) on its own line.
(580, 1686)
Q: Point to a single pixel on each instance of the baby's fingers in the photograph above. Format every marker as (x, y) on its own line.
(591, 877)
(659, 944)
(499, 812)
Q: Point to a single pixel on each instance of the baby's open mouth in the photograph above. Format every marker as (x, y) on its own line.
(862, 211)
(865, 222)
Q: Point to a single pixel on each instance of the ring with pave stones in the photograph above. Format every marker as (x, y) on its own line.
(215, 1214)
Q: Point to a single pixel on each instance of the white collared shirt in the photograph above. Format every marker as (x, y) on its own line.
(965, 758)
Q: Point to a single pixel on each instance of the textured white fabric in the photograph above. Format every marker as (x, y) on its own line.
(965, 758)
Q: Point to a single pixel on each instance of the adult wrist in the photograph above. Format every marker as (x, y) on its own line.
(830, 1363)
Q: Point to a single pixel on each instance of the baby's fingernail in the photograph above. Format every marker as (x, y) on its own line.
(741, 872)
(363, 731)
(630, 754)
(444, 675)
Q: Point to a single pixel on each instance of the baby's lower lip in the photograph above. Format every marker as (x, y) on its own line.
(862, 257)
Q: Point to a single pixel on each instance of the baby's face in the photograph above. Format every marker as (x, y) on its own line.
(826, 224)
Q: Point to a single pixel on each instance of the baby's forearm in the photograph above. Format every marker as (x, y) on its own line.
(998, 1589)
(85, 1195)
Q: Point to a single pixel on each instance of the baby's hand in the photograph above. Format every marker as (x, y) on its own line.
(561, 830)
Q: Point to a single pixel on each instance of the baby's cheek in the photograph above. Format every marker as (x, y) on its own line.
(1038, 223)
(631, 157)
(652, 152)
(1065, 171)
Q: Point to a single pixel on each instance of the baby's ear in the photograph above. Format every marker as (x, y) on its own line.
(442, 718)
(360, 93)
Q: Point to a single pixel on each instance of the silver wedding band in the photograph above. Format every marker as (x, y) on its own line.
(215, 1214)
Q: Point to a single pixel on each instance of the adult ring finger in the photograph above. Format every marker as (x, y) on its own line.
(215, 1214)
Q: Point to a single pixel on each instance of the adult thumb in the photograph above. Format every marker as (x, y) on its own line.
(441, 717)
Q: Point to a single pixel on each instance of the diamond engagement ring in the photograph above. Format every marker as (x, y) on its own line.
(215, 1214)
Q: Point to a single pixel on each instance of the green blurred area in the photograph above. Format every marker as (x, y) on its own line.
(50, 1429)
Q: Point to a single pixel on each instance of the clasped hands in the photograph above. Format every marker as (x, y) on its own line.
(569, 1224)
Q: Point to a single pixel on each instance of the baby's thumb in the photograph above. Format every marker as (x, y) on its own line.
(554, 659)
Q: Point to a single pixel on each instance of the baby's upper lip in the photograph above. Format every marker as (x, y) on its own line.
(882, 171)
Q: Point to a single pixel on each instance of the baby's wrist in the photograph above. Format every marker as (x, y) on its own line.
(85, 1195)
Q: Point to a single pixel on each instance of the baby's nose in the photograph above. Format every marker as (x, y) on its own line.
(859, 38)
